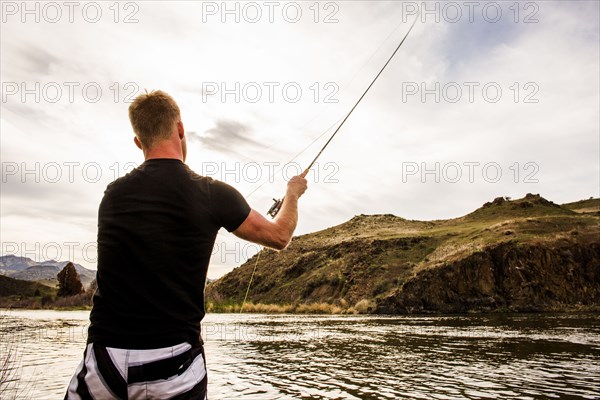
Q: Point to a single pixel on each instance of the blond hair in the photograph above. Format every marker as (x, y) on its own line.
(153, 117)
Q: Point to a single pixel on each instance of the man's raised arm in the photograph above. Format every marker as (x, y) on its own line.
(277, 233)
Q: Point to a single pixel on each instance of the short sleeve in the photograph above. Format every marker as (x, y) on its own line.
(228, 205)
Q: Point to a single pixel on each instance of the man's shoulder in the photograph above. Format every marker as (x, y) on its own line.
(118, 182)
(195, 176)
(123, 179)
(218, 185)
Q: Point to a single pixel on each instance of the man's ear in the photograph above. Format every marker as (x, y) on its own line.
(137, 142)
(180, 130)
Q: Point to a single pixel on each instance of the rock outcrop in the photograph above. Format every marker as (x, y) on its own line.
(551, 276)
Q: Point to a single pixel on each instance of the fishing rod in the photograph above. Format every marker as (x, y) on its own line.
(277, 203)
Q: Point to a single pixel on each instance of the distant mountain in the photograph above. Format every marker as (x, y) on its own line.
(37, 273)
(24, 268)
(528, 254)
(15, 263)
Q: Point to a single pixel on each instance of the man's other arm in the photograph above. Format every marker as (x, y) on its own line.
(278, 233)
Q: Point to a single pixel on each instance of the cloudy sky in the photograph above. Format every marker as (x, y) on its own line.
(486, 100)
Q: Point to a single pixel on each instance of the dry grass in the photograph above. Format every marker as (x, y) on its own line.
(32, 303)
(262, 308)
(364, 306)
(318, 308)
(82, 300)
(12, 386)
(9, 368)
(267, 308)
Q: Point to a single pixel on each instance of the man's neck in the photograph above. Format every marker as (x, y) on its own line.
(163, 153)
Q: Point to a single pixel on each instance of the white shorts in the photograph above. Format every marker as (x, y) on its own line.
(177, 372)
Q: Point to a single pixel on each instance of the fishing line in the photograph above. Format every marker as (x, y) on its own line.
(250, 283)
(344, 88)
(277, 205)
(278, 202)
(296, 156)
(363, 95)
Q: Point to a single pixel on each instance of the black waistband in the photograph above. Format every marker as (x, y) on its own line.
(164, 369)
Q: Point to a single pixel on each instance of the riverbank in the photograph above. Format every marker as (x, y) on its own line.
(82, 301)
(366, 308)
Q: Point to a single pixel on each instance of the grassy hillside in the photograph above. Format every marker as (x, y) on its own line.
(16, 293)
(16, 287)
(584, 206)
(363, 263)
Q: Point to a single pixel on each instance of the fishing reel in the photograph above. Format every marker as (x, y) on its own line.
(275, 207)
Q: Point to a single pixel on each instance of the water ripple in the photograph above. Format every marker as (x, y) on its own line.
(349, 357)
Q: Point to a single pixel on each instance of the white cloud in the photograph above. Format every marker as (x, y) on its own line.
(171, 48)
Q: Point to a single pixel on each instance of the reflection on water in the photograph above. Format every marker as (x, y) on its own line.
(253, 356)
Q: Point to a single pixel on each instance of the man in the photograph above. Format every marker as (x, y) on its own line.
(156, 230)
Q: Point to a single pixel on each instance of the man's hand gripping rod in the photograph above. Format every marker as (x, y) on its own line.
(279, 202)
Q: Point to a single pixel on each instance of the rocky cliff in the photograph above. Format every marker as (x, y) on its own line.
(557, 275)
(521, 255)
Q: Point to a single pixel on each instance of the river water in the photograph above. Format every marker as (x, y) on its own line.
(251, 356)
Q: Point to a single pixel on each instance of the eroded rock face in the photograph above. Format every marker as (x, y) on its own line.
(527, 277)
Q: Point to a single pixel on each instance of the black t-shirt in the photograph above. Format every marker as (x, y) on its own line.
(156, 230)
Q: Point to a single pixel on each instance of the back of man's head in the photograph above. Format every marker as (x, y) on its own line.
(153, 117)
